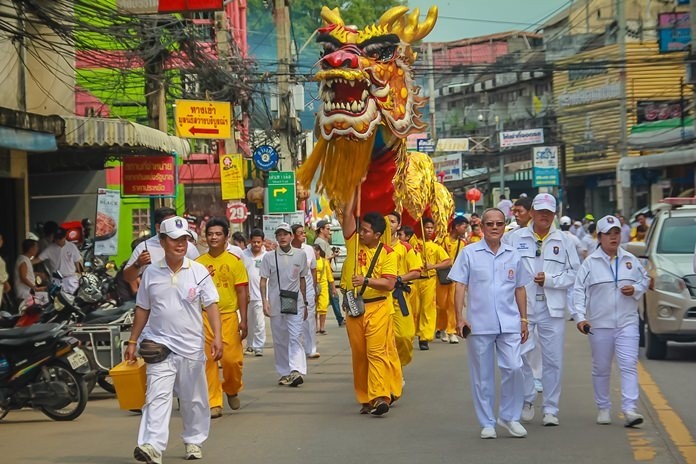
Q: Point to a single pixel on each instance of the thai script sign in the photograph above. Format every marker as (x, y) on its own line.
(521, 137)
(545, 166)
(148, 175)
(203, 119)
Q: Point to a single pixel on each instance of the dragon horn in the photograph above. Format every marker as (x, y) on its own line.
(415, 31)
(392, 15)
(331, 16)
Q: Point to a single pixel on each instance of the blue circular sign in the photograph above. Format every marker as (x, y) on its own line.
(265, 157)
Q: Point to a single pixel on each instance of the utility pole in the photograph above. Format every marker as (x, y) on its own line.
(623, 191)
(155, 92)
(285, 122)
(21, 66)
(431, 92)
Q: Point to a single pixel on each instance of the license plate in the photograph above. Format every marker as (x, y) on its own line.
(77, 358)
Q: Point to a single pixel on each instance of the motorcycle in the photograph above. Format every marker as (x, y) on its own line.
(42, 367)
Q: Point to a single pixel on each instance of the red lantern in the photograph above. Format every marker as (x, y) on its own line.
(473, 194)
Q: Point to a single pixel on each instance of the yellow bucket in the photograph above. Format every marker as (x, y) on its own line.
(130, 380)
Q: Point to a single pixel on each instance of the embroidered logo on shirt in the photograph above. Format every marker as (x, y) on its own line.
(511, 274)
(362, 258)
(629, 265)
(556, 250)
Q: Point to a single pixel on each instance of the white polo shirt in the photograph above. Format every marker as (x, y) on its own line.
(597, 293)
(293, 266)
(63, 259)
(175, 300)
(253, 266)
(311, 265)
(154, 246)
(491, 280)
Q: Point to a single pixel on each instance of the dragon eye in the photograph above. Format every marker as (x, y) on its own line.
(380, 52)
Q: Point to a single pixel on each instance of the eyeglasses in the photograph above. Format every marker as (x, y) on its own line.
(494, 224)
(539, 243)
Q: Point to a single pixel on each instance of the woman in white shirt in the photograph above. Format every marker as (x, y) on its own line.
(607, 289)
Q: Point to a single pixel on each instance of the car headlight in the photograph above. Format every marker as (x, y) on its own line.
(667, 282)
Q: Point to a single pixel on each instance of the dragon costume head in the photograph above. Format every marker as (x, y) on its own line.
(369, 105)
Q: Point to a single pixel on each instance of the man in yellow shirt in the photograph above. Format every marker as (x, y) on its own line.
(371, 334)
(230, 278)
(446, 317)
(408, 268)
(434, 258)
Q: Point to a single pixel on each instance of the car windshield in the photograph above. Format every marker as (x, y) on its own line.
(678, 236)
(337, 238)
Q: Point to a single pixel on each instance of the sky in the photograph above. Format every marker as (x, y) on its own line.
(460, 19)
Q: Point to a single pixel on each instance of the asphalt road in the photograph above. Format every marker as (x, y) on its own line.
(433, 423)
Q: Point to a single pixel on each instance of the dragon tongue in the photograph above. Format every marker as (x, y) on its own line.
(348, 91)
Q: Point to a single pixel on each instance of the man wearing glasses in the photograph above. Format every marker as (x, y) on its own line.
(549, 256)
(491, 276)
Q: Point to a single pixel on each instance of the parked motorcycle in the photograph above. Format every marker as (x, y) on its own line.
(42, 367)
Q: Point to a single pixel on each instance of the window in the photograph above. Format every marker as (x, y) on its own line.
(141, 221)
(678, 236)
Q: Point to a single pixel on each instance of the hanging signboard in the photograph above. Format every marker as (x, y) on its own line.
(106, 225)
(181, 6)
(231, 177)
(545, 170)
(150, 176)
(449, 165)
(200, 119)
(521, 137)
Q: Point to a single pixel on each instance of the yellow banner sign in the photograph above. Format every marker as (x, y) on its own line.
(196, 119)
(231, 177)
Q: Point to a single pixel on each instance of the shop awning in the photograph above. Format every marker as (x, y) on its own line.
(686, 155)
(105, 132)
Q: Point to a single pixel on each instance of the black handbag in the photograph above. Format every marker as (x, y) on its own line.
(354, 303)
(443, 274)
(288, 298)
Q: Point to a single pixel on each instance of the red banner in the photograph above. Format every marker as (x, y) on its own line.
(181, 6)
(148, 175)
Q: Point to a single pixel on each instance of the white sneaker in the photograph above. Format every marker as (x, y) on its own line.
(444, 337)
(550, 420)
(193, 451)
(514, 427)
(148, 454)
(604, 417)
(633, 419)
(527, 412)
(488, 432)
(453, 339)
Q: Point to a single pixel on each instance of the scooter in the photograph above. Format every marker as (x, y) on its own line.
(42, 367)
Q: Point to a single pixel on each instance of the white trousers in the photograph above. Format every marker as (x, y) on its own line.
(256, 324)
(534, 355)
(309, 328)
(184, 378)
(605, 343)
(482, 372)
(548, 332)
(287, 343)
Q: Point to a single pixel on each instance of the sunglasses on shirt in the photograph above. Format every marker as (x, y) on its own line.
(539, 243)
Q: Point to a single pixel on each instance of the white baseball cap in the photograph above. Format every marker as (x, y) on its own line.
(544, 201)
(285, 227)
(566, 221)
(175, 227)
(32, 236)
(607, 223)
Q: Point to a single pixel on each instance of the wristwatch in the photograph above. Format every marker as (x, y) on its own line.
(398, 280)
(367, 281)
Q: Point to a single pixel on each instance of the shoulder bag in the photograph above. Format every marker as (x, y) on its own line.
(354, 304)
(442, 274)
(288, 298)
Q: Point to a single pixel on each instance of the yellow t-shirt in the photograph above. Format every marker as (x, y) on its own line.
(431, 253)
(386, 266)
(324, 274)
(450, 246)
(228, 274)
(406, 258)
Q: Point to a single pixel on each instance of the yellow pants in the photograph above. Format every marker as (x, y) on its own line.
(427, 316)
(376, 370)
(232, 359)
(404, 331)
(446, 319)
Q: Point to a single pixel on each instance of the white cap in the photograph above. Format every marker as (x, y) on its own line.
(32, 236)
(544, 201)
(194, 235)
(566, 221)
(284, 226)
(175, 227)
(607, 223)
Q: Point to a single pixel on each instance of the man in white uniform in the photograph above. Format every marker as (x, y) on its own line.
(309, 330)
(492, 278)
(256, 323)
(168, 312)
(151, 251)
(64, 257)
(285, 268)
(552, 260)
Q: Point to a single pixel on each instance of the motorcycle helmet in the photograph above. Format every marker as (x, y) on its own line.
(89, 290)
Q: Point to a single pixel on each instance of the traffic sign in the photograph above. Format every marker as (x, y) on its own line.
(237, 212)
(281, 192)
(425, 145)
(265, 157)
(197, 119)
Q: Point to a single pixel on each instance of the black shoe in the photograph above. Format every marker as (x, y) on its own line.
(379, 408)
(365, 409)
(423, 346)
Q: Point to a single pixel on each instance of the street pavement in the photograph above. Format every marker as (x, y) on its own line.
(434, 422)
